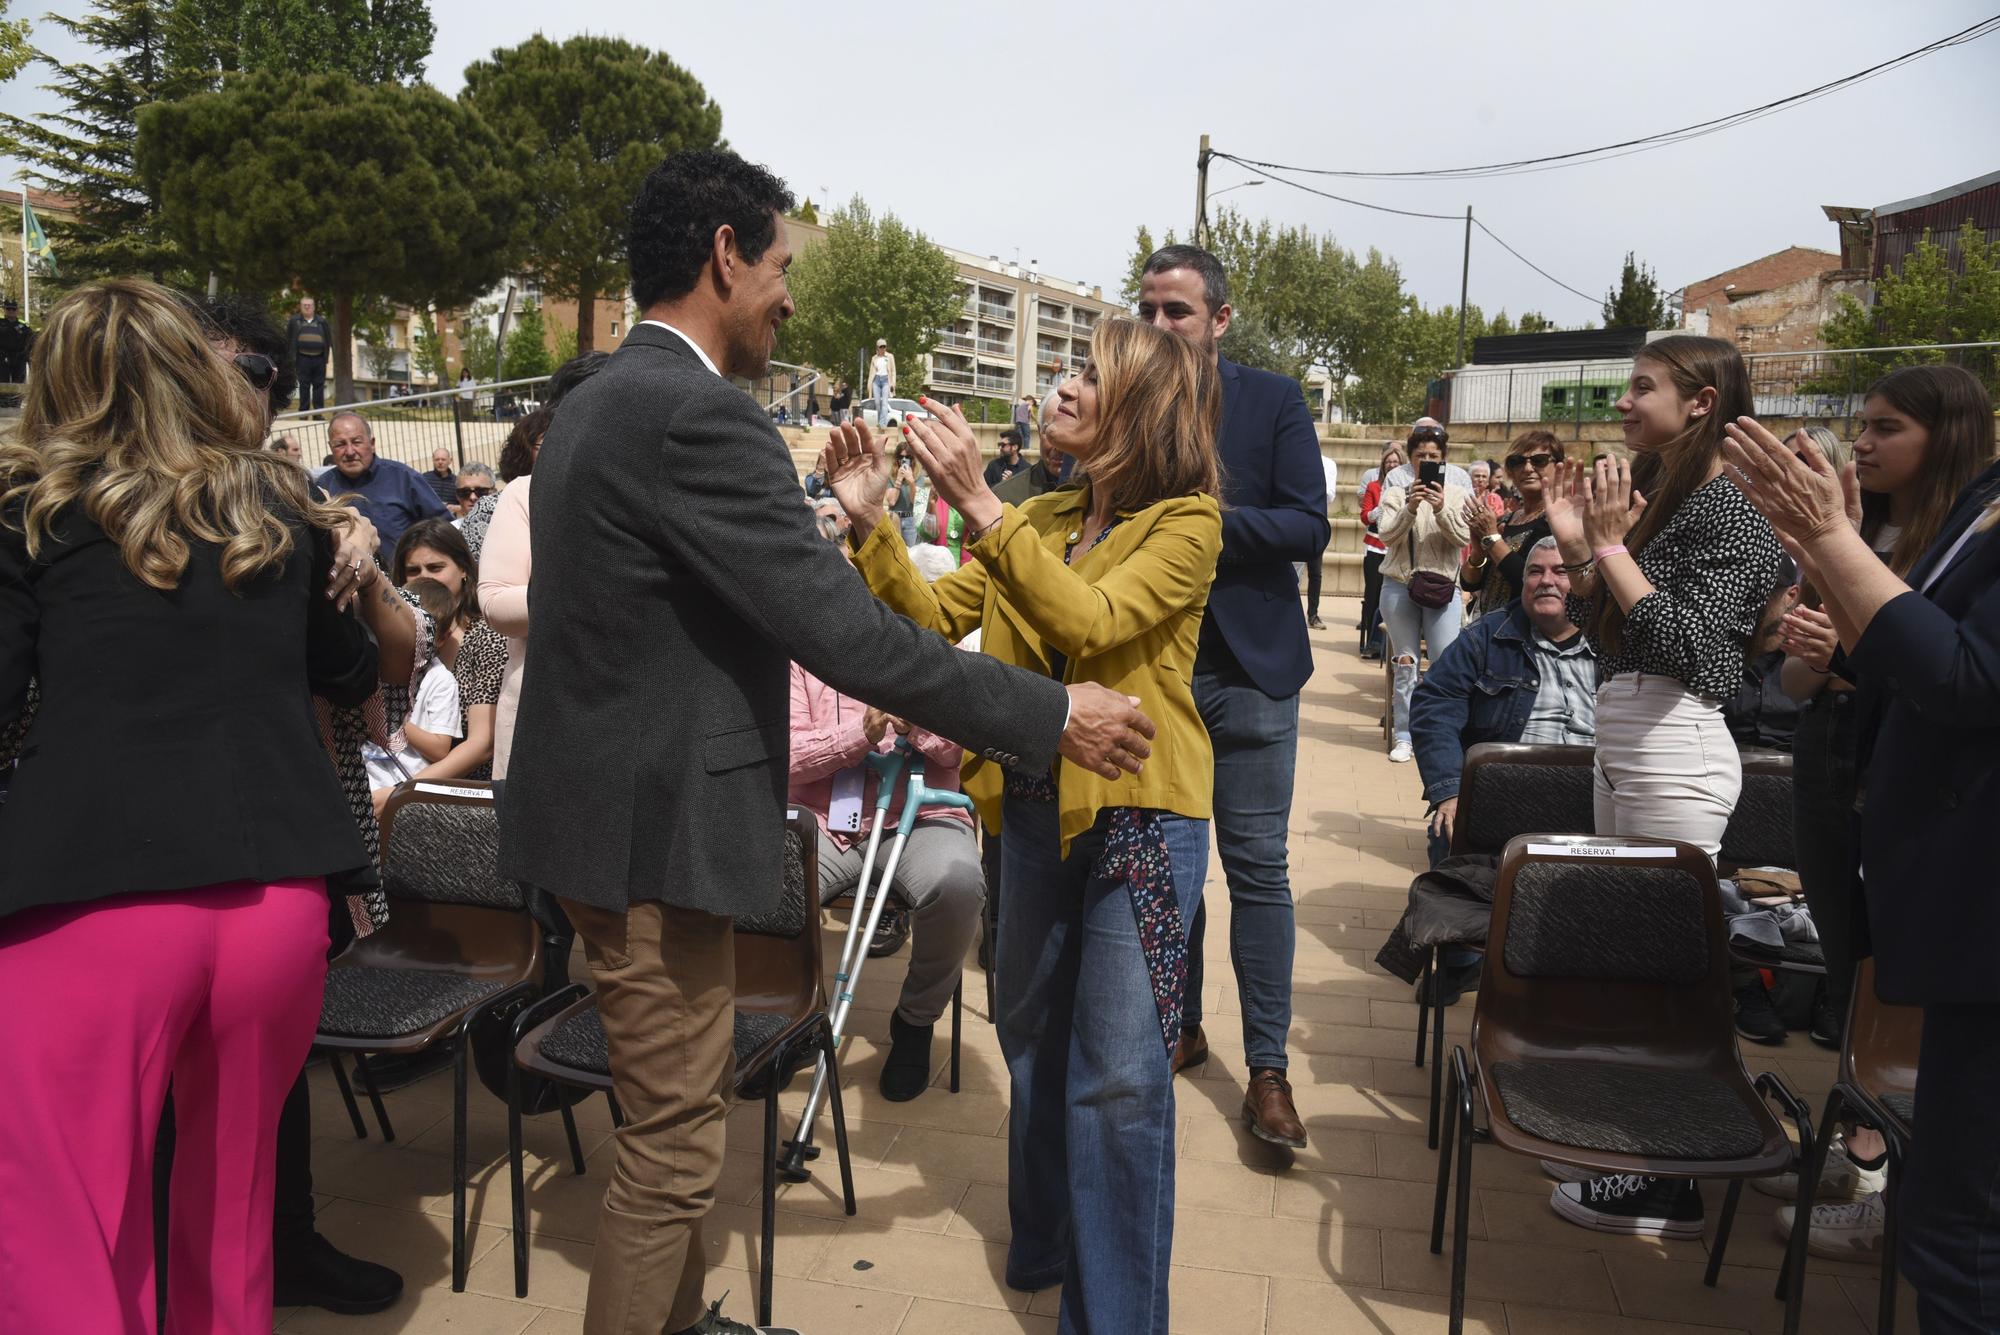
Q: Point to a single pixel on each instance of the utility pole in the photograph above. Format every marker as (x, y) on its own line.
(1201, 192)
(1464, 281)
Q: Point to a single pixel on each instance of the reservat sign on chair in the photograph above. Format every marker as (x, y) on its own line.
(1603, 1036)
(781, 1017)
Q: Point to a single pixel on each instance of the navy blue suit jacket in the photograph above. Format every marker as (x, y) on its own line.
(1274, 513)
(1931, 661)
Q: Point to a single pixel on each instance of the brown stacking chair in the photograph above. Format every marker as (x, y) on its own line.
(1603, 1036)
(1505, 789)
(781, 1026)
(459, 945)
(1878, 1080)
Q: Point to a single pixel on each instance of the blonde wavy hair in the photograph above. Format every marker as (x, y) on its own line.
(1159, 409)
(132, 414)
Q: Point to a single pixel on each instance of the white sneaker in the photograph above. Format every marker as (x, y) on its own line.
(1840, 1180)
(1850, 1232)
(1401, 754)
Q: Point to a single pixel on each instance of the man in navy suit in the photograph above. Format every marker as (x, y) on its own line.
(1253, 660)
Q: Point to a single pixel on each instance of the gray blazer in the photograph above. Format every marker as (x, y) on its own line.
(677, 575)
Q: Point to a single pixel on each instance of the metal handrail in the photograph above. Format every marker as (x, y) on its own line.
(401, 401)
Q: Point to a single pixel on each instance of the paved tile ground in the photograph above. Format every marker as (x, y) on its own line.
(1330, 1241)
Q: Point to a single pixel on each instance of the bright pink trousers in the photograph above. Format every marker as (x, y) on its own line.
(101, 1005)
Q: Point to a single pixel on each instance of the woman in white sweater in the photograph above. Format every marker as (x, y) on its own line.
(1424, 528)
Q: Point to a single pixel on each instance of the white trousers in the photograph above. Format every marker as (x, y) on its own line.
(1666, 766)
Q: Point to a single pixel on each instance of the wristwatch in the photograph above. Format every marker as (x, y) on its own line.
(1491, 537)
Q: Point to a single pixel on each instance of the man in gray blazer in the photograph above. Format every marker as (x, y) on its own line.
(676, 578)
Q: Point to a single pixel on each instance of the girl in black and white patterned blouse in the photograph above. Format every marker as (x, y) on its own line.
(1669, 579)
(1670, 571)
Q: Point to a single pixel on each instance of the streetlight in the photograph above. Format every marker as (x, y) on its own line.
(1241, 185)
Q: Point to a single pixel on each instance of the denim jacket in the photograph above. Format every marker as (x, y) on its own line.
(1480, 689)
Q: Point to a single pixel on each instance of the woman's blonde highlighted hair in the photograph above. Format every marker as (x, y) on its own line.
(133, 415)
(1158, 411)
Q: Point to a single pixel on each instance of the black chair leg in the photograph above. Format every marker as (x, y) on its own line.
(347, 1095)
(516, 1181)
(1462, 1226)
(1885, 1303)
(1437, 1045)
(1444, 1166)
(1792, 1277)
(461, 1059)
(617, 1113)
(957, 1010)
(575, 1145)
(374, 1098)
(839, 1119)
(770, 1234)
(1722, 1227)
(1424, 986)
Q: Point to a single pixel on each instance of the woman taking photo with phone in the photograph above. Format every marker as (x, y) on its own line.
(1105, 582)
(1669, 578)
(1924, 649)
(1423, 529)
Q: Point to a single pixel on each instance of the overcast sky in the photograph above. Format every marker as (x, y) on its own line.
(1048, 132)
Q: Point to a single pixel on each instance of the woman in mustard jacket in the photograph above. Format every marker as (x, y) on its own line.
(1106, 582)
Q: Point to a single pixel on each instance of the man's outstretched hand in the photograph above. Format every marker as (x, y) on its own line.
(1107, 734)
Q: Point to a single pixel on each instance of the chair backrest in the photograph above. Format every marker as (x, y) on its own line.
(1610, 947)
(778, 964)
(1760, 829)
(441, 845)
(1509, 789)
(1880, 1054)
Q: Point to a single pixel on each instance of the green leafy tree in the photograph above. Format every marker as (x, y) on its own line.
(427, 352)
(1927, 302)
(374, 41)
(14, 49)
(870, 278)
(477, 347)
(1534, 322)
(346, 188)
(527, 346)
(565, 345)
(1142, 246)
(373, 318)
(806, 213)
(1250, 341)
(591, 117)
(1637, 300)
(84, 150)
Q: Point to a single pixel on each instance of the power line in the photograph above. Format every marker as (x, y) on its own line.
(1413, 213)
(1604, 152)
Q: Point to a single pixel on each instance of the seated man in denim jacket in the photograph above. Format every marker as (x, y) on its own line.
(1520, 674)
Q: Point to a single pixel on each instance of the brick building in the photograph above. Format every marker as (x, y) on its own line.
(1773, 304)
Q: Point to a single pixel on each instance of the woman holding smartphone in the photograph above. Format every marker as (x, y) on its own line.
(1423, 528)
(1106, 582)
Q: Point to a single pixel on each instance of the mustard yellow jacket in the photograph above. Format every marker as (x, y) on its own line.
(1126, 615)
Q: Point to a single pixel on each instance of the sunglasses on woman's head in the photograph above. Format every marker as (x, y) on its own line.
(467, 493)
(258, 369)
(1536, 461)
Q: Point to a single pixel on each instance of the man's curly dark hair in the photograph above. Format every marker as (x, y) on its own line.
(680, 206)
(245, 322)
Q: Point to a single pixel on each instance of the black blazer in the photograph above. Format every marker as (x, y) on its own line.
(677, 576)
(1931, 662)
(175, 744)
(1274, 513)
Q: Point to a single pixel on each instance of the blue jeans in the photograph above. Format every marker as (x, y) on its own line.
(1090, 1145)
(881, 398)
(1410, 622)
(1256, 742)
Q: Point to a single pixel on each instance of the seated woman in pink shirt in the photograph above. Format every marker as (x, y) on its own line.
(939, 876)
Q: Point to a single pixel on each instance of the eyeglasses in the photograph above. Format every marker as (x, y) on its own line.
(258, 369)
(1535, 461)
(1435, 433)
(467, 493)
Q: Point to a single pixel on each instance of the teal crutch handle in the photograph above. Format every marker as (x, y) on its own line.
(889, 764)
(920, 797)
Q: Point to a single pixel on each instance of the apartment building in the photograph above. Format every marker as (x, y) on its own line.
(1018, 331)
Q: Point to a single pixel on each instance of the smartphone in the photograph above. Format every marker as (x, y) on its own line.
(1431, 473)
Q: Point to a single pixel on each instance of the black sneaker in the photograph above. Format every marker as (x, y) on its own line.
(1828, 1025)
(906, 1072)
(315, 1273)
(713, 1322)
(892, 929)
(1656, 1207)
(1756, 1018)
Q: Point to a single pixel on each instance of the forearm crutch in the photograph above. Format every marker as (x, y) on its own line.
(903, 762)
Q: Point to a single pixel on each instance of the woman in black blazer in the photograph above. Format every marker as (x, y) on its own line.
(1926, 654)
(171, 817)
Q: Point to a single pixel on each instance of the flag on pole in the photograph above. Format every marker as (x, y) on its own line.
(34, 241)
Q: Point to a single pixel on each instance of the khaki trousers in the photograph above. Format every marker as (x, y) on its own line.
(666, 984)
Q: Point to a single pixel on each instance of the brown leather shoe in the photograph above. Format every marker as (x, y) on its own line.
(1192, 1050)
(1268, 1110)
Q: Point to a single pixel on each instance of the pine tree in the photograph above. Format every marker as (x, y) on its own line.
(1637, 300)
(85, 151)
